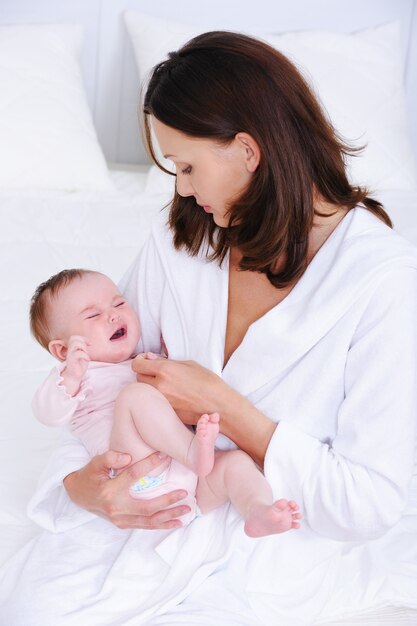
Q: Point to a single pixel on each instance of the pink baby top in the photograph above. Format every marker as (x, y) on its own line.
(89, 413)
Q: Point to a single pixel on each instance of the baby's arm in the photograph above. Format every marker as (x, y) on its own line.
(60, 395)
(76, 364)
(51, 404)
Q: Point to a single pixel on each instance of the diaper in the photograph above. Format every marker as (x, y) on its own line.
(175, 476)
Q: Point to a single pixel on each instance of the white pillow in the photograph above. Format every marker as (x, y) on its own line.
(358, 78)
(47, 135)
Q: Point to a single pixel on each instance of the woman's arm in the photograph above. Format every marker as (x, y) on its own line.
(74, 488)
(355, 486)
(193, 390)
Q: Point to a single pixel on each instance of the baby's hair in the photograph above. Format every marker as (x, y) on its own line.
(41, 299)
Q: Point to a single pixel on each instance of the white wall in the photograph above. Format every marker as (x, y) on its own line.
(108, 65)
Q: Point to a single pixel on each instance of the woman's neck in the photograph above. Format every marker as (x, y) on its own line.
(323, 225)
(326, 219)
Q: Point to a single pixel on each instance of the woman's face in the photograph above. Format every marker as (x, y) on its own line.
(215, 175)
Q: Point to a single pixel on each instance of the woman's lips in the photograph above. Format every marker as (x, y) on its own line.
(205, 207)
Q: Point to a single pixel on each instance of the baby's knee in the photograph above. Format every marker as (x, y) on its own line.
(133, 393)
(233, 459)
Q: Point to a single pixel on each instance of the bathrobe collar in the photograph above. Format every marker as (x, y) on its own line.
(347, 267)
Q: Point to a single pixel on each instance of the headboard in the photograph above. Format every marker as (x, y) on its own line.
(108, 64)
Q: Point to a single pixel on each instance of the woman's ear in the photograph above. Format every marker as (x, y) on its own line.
(58, 349)
(251, 150)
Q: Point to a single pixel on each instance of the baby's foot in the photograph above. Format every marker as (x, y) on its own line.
(271, 519)
(202, 447)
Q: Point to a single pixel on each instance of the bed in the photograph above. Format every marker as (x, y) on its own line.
(76, 189)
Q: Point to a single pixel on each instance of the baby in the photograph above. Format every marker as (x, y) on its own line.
(87, 325)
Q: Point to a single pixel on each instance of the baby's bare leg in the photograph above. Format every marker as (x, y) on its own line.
(144, 421)
(124, 436)
(235, 477)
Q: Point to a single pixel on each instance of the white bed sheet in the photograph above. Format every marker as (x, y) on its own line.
(41, 234)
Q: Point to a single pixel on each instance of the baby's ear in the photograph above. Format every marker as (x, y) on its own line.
(58, 349)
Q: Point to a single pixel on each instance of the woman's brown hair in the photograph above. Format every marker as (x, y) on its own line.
(222, 83)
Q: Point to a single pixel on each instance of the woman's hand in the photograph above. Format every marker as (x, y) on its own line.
(190, 388)
(92, 489)
(193, 390)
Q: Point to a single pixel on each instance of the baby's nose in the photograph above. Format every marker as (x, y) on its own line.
(114, 315)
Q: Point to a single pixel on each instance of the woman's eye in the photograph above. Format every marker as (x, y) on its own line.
(187, 170)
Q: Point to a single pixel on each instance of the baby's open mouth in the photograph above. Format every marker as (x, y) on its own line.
(120, 332)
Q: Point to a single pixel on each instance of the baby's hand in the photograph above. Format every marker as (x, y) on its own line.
(77, 363)
(77, 356)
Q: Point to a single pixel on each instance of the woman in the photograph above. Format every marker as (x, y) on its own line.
(282, 296)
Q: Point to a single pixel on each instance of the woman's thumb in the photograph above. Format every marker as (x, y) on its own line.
(116, 460)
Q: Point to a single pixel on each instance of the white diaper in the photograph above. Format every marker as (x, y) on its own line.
(175, 476)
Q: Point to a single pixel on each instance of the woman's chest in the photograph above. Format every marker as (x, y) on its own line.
(308, 392)
(250, 297)
(286, 357)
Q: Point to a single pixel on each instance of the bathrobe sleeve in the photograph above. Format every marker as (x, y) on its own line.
(355, 487)
(50, 507)
(143, 286)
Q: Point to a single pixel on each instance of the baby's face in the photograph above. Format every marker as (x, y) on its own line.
(93, 307)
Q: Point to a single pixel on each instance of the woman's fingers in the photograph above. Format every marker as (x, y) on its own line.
(110, 460)
(132, 512)
(153, 506)
(167, 518)
(189, 387)
(92, 489)
(147, 370)
(152, 367)
(149, 380)
(132, 473)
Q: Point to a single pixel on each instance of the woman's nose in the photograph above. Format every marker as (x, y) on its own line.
(184, 186)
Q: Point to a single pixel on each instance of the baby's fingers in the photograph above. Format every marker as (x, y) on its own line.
(78, 341)
(77, 347)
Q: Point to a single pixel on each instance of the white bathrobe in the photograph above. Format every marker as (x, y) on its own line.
(335, 365)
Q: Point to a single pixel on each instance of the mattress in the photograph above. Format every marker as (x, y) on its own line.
(43, 233)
